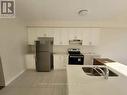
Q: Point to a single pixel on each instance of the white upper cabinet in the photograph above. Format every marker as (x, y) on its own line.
(94, 36)
(57, 37)
(75, 33)
(61, 37)
(89, 36)
(85, 37)
(45, 32)
(32, 35)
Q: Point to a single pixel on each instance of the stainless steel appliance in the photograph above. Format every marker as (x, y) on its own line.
(44, 54)
(75, 42)
(2, 81)
(75, 57)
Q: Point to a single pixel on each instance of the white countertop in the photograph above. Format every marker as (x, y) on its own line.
(82, 53)
(118, 67)
(81, 84)
(60, 53)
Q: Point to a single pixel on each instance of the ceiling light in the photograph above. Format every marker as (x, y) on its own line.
(83, 12)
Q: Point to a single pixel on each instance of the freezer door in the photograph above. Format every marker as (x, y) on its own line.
(44, 45)
(43, 61)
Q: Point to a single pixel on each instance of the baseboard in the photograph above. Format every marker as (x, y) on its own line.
(8, 82)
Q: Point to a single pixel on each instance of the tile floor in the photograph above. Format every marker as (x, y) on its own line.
(38, 83)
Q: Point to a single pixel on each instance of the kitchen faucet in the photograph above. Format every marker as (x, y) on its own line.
(104, 73)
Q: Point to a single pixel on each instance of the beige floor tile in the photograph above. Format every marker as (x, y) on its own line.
(38, 83)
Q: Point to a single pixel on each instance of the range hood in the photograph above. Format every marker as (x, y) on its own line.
(75, 42)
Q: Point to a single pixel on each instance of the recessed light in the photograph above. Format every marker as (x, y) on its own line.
(83, 12)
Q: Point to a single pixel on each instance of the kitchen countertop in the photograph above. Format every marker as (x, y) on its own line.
(104, 60)
(63, 53)
(68, 54)
(80, 83)
(118, 67)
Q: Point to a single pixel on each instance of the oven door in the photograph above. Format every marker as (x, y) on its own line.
(76, 59)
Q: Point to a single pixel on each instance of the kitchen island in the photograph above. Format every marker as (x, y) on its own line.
(79, 83)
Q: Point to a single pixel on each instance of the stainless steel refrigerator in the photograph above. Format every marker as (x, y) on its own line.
(44, 54)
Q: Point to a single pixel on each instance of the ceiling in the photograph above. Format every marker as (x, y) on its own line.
(67, 10)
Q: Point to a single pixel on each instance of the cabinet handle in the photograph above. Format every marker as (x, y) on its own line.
(45, 35)
(90, 43)
(61, 42)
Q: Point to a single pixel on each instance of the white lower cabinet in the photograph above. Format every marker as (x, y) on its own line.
(60, 61)
(30, 61)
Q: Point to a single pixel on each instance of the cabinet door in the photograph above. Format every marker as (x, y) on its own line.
(78, 33)
(91, 36)
(86, 34)
(60, 61)
(65, 61)
(57, 38)
(94, 36)
(30, 61)
(64, 37)
(45, 32)
(61, 37)
(75, 33)
(71, 33)
(32, 35)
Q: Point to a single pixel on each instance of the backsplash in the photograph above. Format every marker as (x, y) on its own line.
(64, 48)
(84, 49)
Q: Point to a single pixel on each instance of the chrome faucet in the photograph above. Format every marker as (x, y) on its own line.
(104, 73)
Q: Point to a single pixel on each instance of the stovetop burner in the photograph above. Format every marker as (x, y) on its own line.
(74, 51)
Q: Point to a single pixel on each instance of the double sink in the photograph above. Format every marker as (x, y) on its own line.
(92, 71)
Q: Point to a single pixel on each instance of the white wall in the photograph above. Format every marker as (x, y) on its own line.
(113, 44)
(12, 47)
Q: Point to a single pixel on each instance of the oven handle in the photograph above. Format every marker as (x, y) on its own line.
(75, 56)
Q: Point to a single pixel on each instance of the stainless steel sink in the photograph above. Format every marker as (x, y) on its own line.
(92, 72)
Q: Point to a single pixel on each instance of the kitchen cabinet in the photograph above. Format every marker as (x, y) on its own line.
(86, 37)
(89, 36)
(32, 35)
(45, 32)
(60, 61)
(75, 33)
(30, 61)
(61, 37)
(64, 38)
(94, 35)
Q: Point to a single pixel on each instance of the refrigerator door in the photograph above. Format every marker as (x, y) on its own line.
(44, 44)
(43, 61)
(49, 39)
